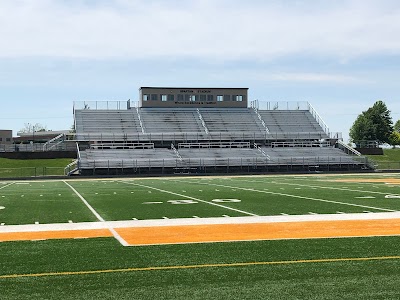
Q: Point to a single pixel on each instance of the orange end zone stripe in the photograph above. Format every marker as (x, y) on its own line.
(259, 231)
(60, 234)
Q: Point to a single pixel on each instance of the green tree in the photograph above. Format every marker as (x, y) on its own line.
(362, 129)
(374, 124)
(397, 126)
(395, 138)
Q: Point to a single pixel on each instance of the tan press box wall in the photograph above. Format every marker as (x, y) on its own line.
(6, 137)
(186, 92)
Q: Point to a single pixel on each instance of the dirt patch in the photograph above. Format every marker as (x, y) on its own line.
(371, 180)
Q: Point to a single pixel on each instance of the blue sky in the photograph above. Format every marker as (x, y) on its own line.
(341, 56)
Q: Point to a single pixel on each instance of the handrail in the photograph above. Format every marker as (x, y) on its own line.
(347, 147)
(140, 120)
(176, 152)
(202, 121)
(318, 118)
(45, 145)
(67, 169)
(78, 151)
(262, 121)
(262, 151)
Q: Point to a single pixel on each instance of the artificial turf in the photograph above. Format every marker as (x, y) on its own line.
(375, 279)
(124, 199)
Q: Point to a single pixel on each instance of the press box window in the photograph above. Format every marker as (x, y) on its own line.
(8, 139)
(145, 97)
(210, 98)
(227, 97)
(154, 97)
(192, 98)
(171, 98)
(180, 98)
(203, 98)
(220, 98)
(239, 98)
(163, 97)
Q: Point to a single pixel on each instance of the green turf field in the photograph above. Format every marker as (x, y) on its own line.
(332, 268)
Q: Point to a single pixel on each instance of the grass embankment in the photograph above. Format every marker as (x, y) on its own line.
(389, 155)
(389, 160)
(32, 167)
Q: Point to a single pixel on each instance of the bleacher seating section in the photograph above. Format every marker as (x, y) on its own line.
(195, 139)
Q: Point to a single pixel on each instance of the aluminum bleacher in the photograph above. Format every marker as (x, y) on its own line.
(286, 122)
(202, 140)
(111, 122)
(156, 120)
(231, 120)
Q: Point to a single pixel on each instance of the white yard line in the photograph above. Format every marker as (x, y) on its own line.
(3, 187)
(97, 215)
(199, 221)
(299, 197)
(323, 187)
(192, 198)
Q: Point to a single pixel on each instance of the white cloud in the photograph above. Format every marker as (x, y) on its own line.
(214, 30)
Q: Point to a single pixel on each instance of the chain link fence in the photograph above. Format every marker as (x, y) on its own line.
(31, 172)
(387, 165)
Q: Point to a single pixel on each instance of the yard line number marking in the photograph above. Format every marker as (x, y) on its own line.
(192, 198)
(300, 197)
(239, 264)
(96, 214)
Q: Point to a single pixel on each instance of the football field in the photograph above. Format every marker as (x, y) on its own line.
(245, 237)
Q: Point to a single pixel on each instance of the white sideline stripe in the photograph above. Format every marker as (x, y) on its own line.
(115, 234)
(192, 198)
(3, 187)
(301, 197)
(199, 221)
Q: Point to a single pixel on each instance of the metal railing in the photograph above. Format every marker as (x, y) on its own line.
(347, 149)
(54, 142)
(202, 122)
(102, 105)
(260, 118)
(70, 168)
(196, 136)
(240, 164)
